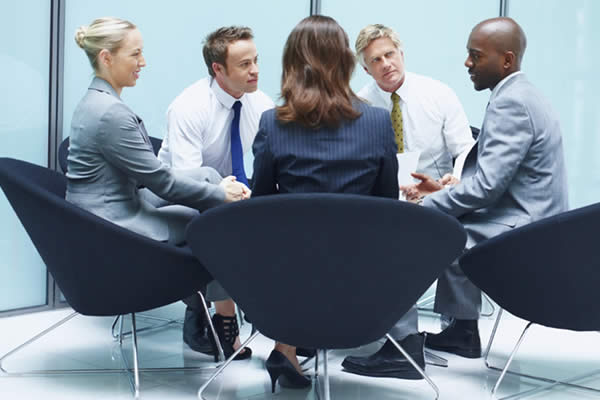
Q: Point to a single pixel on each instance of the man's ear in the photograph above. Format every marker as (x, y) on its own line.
(218, 68)
(509, 59)
(366, 70)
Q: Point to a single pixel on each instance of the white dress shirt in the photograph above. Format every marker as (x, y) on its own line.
(434, 121)
(199, 126)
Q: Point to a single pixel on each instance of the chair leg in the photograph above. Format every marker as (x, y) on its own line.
(326, 388)
(225, 364)
(549, 382)
(492, 306)
(415, 365)
(165, 322)
(136, 367)
(28, 342)
(212, 328)
(491, 339)
(316, 364)
(512, 355)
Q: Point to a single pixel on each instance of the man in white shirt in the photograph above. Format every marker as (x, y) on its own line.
(428, 118)
(206, 124)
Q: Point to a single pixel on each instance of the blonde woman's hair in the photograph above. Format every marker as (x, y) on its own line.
(103, 33)
(373, 32)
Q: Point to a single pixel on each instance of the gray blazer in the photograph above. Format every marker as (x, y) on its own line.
(515, 173)
(110, 157)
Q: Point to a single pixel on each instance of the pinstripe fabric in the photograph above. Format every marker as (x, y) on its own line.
(357, 157)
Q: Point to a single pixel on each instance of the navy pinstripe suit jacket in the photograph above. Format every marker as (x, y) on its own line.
(358, 156)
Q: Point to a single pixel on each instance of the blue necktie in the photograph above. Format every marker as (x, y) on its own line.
(237, 155)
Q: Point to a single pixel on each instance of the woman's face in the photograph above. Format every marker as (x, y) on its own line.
(127, 62)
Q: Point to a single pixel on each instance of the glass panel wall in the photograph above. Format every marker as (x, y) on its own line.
(434, 33)
(24, 58)
(563, 62)
(173, 34)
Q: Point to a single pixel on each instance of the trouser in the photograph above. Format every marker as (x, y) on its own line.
(456, 296)
(407, 325)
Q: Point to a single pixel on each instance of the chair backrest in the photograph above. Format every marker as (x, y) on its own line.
(547, 272)
(63, 151)
(325, 270)
(101, 268)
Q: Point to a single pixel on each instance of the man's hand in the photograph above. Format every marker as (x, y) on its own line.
(419, 190)
(448, 180)
(234, 190)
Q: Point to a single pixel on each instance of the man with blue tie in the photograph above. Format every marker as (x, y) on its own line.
(213, 123)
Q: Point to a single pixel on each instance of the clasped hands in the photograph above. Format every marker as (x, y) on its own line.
(234, 190)
(427, 185)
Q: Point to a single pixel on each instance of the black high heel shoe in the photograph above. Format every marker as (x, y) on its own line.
(278, 365)
(227, 329)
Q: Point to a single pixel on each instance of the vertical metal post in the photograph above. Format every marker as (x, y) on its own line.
(55, 108)
(315, 7)
(504, 8)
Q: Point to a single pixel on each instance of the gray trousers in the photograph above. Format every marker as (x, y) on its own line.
(407, 325)
(456, 296)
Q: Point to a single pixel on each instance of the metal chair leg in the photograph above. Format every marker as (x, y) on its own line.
(512, 355)
(549, 382)
(326, 390)
(28, 342)
(165, 322)
(489, 301)
(212, 328)
(12, 352)
(415, 365)
(492, 336)
(136, 367)
(225, 364)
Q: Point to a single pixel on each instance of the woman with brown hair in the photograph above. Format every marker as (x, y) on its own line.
(323, 138)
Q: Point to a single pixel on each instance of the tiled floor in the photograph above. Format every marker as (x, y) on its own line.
(86, 342)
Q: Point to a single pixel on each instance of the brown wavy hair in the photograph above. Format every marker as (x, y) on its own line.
(317, 66)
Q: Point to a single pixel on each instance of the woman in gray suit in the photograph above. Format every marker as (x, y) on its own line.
(112, 170)
(323, 138)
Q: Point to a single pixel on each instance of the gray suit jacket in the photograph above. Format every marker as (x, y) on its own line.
(110, 157)
(516, 172)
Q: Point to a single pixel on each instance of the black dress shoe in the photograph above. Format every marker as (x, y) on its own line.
(461, 337)
(194, 331)
(389, 361)
(279, 366)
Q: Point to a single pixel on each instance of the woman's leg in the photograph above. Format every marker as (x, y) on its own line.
(290, 353)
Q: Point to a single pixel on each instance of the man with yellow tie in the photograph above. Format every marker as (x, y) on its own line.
(427, 117)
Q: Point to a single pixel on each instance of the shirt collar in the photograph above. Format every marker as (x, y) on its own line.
(224, 98)
(103, 86)
(403, 91)
(503, 82)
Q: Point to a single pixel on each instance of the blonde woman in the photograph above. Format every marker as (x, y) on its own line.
(111, 159)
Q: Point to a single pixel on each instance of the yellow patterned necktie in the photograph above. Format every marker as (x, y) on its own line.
(397, 122)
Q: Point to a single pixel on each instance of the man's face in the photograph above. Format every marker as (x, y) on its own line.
(239, 75)
(484, 62)
(385, 63)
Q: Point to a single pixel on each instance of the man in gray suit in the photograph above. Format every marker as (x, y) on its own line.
(514, 174)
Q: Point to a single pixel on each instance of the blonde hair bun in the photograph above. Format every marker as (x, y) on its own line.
(80, 35)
